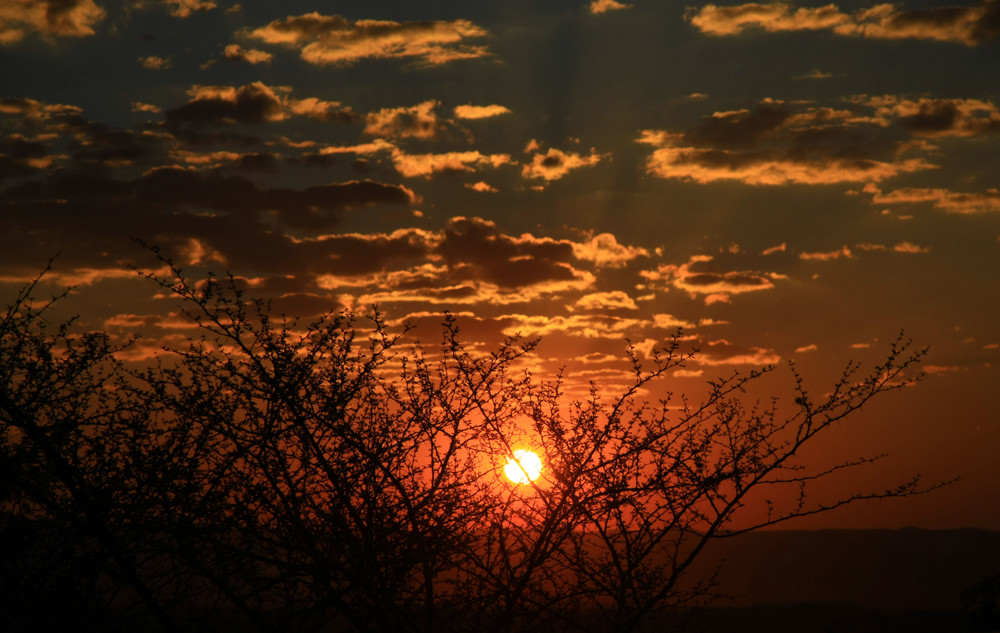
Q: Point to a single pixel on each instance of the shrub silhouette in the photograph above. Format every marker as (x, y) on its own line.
(324, 476)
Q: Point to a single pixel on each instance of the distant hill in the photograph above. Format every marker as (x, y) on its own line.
(907, 569)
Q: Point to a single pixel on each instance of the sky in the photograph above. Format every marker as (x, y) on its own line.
(783, 181)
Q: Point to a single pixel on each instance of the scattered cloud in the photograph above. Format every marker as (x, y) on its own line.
(480, 112)
(139, 106)
(929, 117)
(699, 277)
(949, 201)
(815, 73)
(335, 40)
(235, 52)
(776, 143)
(185, 8)
(605, 251)
(49, 18)
(481, 187)
(842, 253)
(603, 301)
(602, 6)
(908, 248)
(555, 163)
(155, 63)
(428, 165)
(251, 103)
(969, 25)
(417, 121)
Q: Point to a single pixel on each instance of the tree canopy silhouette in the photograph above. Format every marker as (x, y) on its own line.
(273, 474)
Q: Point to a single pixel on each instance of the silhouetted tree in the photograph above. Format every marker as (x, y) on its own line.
(323, 476)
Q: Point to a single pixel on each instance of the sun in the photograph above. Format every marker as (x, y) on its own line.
(524, 467)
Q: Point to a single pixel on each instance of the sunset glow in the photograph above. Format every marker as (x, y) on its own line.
(778, 181)
(524, 467)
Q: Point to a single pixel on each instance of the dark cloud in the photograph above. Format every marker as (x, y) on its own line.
(335, 40)
(244, 222)
(476, 248)
(253, 103)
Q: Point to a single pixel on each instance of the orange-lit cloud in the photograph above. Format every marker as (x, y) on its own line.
(184, 8)
(155, 63)
(775, 16)
(50, 18)
(235, 52)
(427, 165)
(908, 248)
(943, 199)
(604, 250)
(554, 164)
(251, 103)
(968, 25)
(482, 187)
(698, 277)
(825, 256)
(602, 6)
(603, 301)
(418, 121)
(723, 352)
(480, 112)
(335, 40)
(776, 143)
(934, 117)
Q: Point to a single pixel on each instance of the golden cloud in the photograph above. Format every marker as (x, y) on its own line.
(62, 18)
(554, 164)
(335, 40)
(944, 199)
(602, 6)
(427, 165)
(235, 52)
(480, 112)
(967, 25)
(605, 251)
(418, 121)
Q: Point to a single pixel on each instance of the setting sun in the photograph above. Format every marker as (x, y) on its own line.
(524, 467)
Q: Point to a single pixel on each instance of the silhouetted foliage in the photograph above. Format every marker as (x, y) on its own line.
(278, 475)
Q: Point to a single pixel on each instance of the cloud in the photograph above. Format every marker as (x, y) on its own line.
(604, 301)
(427, 165)
(479, 247)
(722, 352)
(908, 248)
(480, 112)
(185, 8)
(235, 52)
(248, 224)
(943, 199)
(49, 18)
(605, 251)
(928, 117)
(776, 16)
(251, 103)
(775, 144)
(602, 6)
(139, 106)
(481, 187)
(335, 40)
(815, 73)
(842, 253)
(968, 25)
(417, 121)
(155, 63)
(554, 164)
(698, 277)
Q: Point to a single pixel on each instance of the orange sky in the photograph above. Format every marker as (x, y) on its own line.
(784, 181)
